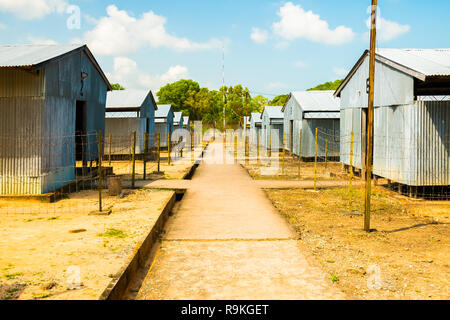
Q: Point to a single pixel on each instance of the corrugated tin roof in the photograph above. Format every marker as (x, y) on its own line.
(126, 98)
(177, 117)
(317, 100)
(274, 112)
(31, 55)
(21, 56)
(256, 117)
(322, 115)
(418, 63)
(429, 62)
(163, 110)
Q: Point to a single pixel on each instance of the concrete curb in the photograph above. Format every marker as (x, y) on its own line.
(119, 284)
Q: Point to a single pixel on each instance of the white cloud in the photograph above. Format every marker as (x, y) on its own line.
(127, 73)
(42, 41)
(33, 9)
(300, 64)
(119, 33)
(340, 71)
(388, 30)
(259, 36)
(296, 23)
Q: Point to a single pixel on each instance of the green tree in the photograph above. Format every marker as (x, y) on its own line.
(258, 103)
(117, 86)
(327, 86)
(178, 93)
(279, 100)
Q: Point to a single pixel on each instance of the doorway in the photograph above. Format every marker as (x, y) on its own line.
(80, 131)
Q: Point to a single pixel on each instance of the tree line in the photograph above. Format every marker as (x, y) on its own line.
(188, 97)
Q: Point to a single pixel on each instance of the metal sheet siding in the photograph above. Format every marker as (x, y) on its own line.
(121, 130)
(161, 128)
(38, 114)
(392, 87)
(20, 83)
(328, 129)
(21, 145)
(411, 142)
(350, 121)
(433, 143)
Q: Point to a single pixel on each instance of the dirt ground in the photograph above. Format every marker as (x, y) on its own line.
(406, 257)
(325, 171)
(41, 249)
(175, 171)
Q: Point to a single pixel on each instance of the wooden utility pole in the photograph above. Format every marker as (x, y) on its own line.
(370, 116)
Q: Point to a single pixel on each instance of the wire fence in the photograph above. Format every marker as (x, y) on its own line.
(416, 167)
(82, 173)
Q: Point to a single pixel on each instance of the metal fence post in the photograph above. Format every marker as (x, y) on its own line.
(326, 153)
(133, 160)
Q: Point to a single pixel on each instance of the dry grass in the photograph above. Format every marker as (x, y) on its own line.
(410, 246)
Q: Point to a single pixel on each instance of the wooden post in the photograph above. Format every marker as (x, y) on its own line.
(145, 154)
(370, 113)
(168, 148)
(284, 153)
(315, 162)
(133, 160)
(351, 159)
(300, 154)
(326, 153)
(270, 144)
(235, 148)
(109, 145)
(247, 150)
(158, 137)
(257, 147)
(192, 147)
(100, 177)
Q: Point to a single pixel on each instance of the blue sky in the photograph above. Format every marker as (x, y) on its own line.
(272, 47)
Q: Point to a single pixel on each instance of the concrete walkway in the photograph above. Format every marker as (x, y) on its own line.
(227, 241)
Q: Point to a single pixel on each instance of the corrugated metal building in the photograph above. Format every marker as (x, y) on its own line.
(128, 111)
(411, 129)
(164, 123)
(272, 121)
(255, 127)
(186, 123)
(178, 120)
(306, 111)
(52, 103)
